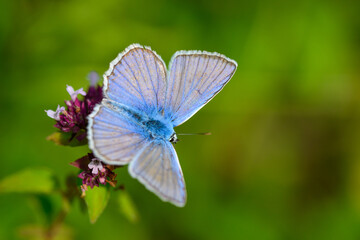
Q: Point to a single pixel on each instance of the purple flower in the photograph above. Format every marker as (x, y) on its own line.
(90, 179)
(102, 176)
(73, 94)
(94, 96)
(95, 165)
(55, 115)
(74, 118)
(100, 173)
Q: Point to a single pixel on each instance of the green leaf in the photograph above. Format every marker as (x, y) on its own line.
(96, 200)
(67, 139)
(127, 206)
(36, 180)
(45, 206)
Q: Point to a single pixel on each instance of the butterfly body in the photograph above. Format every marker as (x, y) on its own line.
(158, 129)
(154, 127)
(134, 124)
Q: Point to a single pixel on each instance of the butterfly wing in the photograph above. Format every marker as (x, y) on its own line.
(137, 78)
(114, 138)
(117, 139)
(157, 167)
(194, 78)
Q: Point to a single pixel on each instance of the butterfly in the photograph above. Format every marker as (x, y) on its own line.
(143, 102)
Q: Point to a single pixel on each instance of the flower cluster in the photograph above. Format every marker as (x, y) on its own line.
(94, 172)
(73, 119)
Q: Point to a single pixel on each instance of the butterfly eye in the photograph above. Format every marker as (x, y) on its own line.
(173, 138)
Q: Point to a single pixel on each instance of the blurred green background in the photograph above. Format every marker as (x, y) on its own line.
(283, 160)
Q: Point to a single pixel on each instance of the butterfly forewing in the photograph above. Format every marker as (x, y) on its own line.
(137, 78)
(195, 78)
(158, 168)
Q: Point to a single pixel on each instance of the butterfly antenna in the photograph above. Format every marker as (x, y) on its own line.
(206, 133)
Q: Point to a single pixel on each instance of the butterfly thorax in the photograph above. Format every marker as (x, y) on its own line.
(158, 129)
(154, 126)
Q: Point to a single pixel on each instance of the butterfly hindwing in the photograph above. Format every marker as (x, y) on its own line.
(157, 167)
(137, 78)
(194, 78)
(114, 138)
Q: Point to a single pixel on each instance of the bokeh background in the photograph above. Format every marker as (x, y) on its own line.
(283, 160)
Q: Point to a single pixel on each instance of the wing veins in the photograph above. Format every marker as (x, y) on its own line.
(150, 77)
(182, 79)
(115, 136)
(158, 82)
(191, 87)
(205, 82)
(140, 70)
(121, 149)
(207, 88)
(173, 84)
(112, 124)
(137, 90)
(207, 79)
(137, 82)
(123, 89)
(146, 165)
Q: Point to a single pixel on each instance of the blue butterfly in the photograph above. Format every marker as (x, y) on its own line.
(142, 104)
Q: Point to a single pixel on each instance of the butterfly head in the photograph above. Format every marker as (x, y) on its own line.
(173, 138)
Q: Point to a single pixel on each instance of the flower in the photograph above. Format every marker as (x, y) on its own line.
(93, 78)
(94, 95)
(95, 165)
(103, 176)
(74, 118)
(55, 115)
(100, 173)
(73, 94)
(88, 179)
